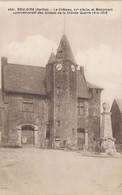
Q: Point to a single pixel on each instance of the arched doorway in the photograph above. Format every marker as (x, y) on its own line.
(27, 138)
(27, 135)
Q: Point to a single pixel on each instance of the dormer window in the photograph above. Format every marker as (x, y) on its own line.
(80, 108)
(60, 54)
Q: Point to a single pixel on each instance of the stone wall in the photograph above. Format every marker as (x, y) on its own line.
(82, 120)
(116, 119)
(1, 121)
(1, 113)
(43, 111)
(24, 109)
(91, 117)
(94, 115)
(65, 105)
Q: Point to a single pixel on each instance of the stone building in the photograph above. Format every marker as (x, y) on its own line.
(116, 118)
(1, 113)
(49, 107)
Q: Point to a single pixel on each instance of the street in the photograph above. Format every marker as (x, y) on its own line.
(34, 171)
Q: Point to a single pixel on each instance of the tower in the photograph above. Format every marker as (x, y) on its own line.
(62, 71)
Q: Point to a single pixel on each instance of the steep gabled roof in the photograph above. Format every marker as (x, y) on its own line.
(52, 58)
(82, 89)
(91, 86)
(24, 79)
(32, 80)
(65, 48)
(119, 104)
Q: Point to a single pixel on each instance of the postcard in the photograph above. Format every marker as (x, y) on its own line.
(60, 97)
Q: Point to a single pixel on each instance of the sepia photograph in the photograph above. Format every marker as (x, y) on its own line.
(60, 97)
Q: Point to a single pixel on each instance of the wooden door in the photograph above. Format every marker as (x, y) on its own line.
(27, 137)
(81, 140)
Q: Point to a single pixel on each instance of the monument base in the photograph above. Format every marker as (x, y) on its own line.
(108, 146)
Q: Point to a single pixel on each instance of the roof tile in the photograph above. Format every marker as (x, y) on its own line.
(24, 79)
(32, 80)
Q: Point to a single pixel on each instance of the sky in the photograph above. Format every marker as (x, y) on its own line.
(96, 40)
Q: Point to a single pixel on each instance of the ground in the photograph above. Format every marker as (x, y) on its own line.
(32, 171)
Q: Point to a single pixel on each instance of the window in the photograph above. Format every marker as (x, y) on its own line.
(57, 138)
(97, 91)
(28, 106)
(27, 127)
(80, 108)
(58, 124)
(6, 99)
(60, 54)
(81, 130)
(58, 108)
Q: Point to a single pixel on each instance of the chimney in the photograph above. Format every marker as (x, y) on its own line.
(82, 69)
(4, 61)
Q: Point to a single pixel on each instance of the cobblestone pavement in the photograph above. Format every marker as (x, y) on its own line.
(32, 171)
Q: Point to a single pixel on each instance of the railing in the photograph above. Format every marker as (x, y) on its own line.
(118, 148)
(94, 148)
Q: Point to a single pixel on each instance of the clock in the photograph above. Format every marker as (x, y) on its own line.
(73, 68)
(58, 67)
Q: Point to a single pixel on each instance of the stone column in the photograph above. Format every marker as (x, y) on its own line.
(106, 128)
(19, 142)
(86, 139)
(106, 136)
(36, 138)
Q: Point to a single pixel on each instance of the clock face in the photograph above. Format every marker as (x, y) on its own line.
(73, 68)
(58, 67)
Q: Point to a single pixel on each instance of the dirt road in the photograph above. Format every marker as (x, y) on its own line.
(31, 171)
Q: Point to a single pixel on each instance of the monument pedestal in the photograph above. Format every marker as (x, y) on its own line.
(107, 142)
(108, 145)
